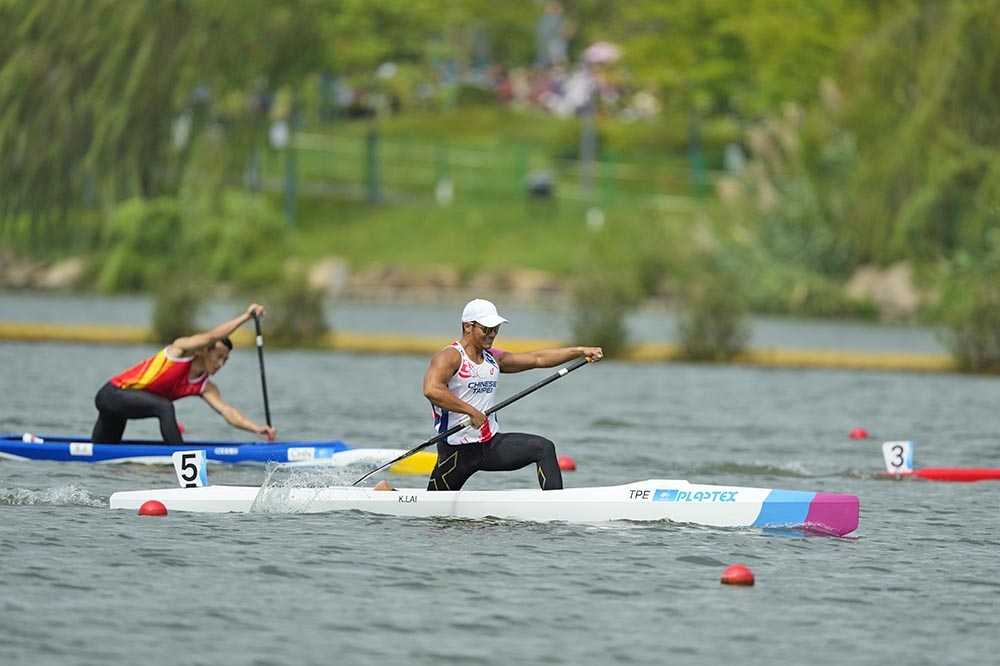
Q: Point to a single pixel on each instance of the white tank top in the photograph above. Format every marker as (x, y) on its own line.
(477, 385)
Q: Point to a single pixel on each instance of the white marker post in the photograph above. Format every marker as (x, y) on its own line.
(898, 457)
(190, 468)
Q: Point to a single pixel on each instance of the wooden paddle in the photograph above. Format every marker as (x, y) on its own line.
(464, 422)
(260, 357)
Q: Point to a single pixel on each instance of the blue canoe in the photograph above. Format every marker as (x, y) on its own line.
(21, 446)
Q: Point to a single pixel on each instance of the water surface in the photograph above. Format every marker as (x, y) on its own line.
(916, 584)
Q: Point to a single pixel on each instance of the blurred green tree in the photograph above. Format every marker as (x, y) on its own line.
(93, 94)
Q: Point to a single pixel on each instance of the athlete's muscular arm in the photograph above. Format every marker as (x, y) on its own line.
(188, 345)
(545, 358)
(443, 365)
(233, 416)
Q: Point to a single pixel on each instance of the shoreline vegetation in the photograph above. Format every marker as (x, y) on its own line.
(375, 343)
(447, 149)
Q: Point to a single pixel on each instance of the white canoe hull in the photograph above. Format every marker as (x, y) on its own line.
(652, 500)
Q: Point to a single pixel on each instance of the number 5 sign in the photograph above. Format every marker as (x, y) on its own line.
(190, 468)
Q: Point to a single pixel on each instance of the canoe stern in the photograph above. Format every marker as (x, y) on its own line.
(824, 513)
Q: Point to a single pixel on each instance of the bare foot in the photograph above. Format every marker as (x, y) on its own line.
(383, 485)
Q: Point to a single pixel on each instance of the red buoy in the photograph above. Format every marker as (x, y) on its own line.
(737, 574)
(152, 508)
(859, 433)
(566, 463)
(181, 428)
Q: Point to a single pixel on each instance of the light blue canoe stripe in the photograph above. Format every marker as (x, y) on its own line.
(784, 507)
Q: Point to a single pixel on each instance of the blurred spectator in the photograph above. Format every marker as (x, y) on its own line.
(734, 158)
(552, 34)
(503, 85)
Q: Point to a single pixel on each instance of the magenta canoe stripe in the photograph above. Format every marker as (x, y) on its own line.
(834, 513)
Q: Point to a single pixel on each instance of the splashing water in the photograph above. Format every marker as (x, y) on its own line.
(275, 492)
(58, 496)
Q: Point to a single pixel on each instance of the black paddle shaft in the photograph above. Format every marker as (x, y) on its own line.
(260, 357)
(579, 363)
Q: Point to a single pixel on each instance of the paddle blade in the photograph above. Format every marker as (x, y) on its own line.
(418, 464)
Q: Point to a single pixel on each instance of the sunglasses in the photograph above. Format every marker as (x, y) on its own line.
(488, 330)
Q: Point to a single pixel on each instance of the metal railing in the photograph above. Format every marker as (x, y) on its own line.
(379, 168)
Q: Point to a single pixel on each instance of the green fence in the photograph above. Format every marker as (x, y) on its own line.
(380, 168)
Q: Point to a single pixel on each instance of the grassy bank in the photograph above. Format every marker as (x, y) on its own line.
(454, 189)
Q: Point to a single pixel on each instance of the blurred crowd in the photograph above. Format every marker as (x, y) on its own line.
(552, 83)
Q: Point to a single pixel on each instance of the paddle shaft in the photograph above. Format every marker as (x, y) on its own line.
(579, 363)
(260, 357)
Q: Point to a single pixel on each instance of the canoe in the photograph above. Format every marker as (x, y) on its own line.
(957, 474)
(57, 448)
(642, 501)
(898, 458)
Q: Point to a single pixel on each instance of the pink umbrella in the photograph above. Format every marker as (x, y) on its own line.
(601, 53)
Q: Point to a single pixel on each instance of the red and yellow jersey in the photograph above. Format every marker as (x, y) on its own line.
(162, 375)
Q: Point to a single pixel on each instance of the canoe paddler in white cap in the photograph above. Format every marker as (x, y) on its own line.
(461, 383)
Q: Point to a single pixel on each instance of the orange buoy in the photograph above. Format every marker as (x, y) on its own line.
(737, 574)
(859, 433)
(566, 463)
(152, 508)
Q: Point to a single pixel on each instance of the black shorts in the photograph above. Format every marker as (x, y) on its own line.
(507, 451)
(115, 406)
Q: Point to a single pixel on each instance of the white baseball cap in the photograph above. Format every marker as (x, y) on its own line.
(482, 311)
